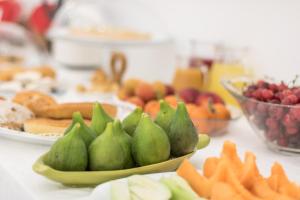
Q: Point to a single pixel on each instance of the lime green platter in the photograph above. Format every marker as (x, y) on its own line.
(93, 178)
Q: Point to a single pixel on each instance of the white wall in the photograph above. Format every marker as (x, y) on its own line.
(271, 28)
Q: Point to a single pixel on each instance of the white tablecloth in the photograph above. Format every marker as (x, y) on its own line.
(18, 181)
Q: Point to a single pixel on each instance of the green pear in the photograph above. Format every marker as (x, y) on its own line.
(111, 150)
(68, 153)
(131, 121)
(165, 115)
(183, 135)
(99, 119)
(150, 143)
(85, 132)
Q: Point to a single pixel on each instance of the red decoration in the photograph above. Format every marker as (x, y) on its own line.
(41, 17)
(9, 10)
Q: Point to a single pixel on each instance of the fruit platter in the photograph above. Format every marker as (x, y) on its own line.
(101, 100)
(222, 178)
(110, 149)
(208, 111)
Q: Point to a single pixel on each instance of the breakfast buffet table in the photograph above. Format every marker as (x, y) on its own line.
(18, 181)
(97, 104)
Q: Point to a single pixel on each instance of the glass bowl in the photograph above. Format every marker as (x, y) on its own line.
(266, 119)
(216, 127)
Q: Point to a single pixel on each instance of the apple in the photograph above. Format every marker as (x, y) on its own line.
(169, 90)
(189, 95)
(204, 97)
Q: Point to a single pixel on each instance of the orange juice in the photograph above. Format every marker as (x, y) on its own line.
(187, 78)
(221, 71)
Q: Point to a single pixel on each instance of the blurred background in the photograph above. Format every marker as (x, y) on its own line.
(269, 28)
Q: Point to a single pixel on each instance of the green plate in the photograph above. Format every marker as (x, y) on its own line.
(93, 178)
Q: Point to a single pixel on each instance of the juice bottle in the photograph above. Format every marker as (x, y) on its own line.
(201, 58)
(186, 75)
(221, 71)
(187, 78)
(228, 67)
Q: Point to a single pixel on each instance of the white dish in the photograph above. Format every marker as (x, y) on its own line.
(103, 191)
(85, 52)
(123, 110)
(27, 137)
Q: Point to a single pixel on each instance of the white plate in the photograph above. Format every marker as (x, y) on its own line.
(103, 191)
(123, 110)
(27, 137)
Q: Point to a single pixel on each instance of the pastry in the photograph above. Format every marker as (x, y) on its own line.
(32, 80)
(44, 126)
(45, 71)
(8, 73)
(99, 77)
(13, 115)
(16, 78)
(10, 59)
(45, 106)
(66, 110)
(112, 33)
(37, 102)
(101, 82)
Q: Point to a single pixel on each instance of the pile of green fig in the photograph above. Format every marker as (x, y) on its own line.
(109, 144)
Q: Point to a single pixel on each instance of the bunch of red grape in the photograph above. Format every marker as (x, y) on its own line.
(276, 111)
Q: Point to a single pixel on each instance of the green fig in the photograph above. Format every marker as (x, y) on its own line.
(85, 132)
(183, 135)
(150, 143)
(68, 153)
(165, 115)
(131, 121)
(99, 119)
(111, 150)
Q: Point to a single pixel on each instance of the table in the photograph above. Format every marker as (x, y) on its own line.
(18, 181)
